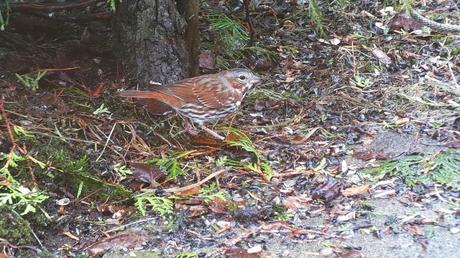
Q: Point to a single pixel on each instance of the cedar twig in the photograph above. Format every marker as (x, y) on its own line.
(7, 123)
(195, 185)
(189, 187)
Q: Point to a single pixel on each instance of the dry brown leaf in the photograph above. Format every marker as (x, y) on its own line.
(204, 140)
(381, 56)
(123, 240)
(146, 173)
(241, 253)
(294, 203)
(414, 229)
(352, 254)
(402, 21)
(189, 192)
(219, 206)
(366, 155)
(355, 190)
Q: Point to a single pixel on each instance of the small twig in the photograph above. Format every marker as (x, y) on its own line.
(252, 32)
(107, 142)
(89, 195)
(7, 122)
(129, 224)
(36, 238)
(192, 186)
(58, 69)
(453, 76)
(5, 242)
(63, 137)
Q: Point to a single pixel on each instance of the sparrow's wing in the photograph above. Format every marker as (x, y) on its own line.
(207, 90)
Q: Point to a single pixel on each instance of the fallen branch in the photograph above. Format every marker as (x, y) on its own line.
(192, 186)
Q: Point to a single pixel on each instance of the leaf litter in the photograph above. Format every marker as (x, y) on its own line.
(351, 140)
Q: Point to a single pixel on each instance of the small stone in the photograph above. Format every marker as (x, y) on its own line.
(326, 251)
(454, 230)
(255, 249)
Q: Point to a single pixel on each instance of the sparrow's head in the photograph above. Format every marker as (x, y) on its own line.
(242, 78)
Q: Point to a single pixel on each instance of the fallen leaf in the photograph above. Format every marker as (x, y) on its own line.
(402, 21)
(370, 154)
(146, 173)
(381, 56)
(219, 206)
(255, 249)
(109, 209)
(352, 254)
(189, 192)
(401, 121)
(327, 191)
(294, 203)
(97, 91)
(123, 240)
(355, 190)
(241, 253)
(413, 229)
(4, 181)
(409, 55)
(205, 140)
(346, 217)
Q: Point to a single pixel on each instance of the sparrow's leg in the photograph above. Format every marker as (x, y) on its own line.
(211, 132)
(189, 128)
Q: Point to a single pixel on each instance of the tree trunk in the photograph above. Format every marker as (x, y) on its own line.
(152, 38)
(189, 9)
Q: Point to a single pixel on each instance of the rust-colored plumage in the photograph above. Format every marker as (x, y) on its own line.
(204, 98)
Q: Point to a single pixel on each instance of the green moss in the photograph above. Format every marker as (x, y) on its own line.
(75, 173)
(13, 227)
(72, 171)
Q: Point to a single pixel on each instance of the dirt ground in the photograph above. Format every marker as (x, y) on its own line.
(349, 147)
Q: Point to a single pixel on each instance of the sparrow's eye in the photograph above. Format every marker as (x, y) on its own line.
(242, 77)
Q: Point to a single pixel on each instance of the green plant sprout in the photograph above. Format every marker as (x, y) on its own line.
(122, 171)
(361, 82)
(261, 166)
(171, 165)
(442, 168)
(316, 16)
(162, 205)
(102, 109)
(30, 81)
(20, 132)
(5, 16)
(210, 193)
(12, 192)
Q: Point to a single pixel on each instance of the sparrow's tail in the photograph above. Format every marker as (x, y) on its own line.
(155, 95)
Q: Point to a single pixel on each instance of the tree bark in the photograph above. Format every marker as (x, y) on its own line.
(189, 9)
(151, 37)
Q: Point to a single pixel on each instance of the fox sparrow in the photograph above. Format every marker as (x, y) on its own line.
(204, 98)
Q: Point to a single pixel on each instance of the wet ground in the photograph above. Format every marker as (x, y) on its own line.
(348, 149)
